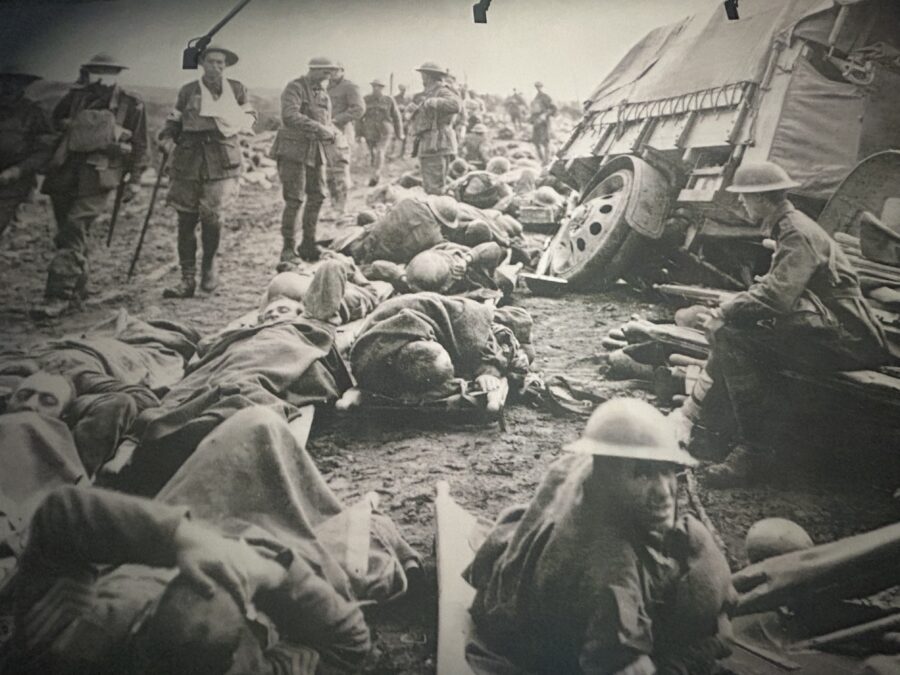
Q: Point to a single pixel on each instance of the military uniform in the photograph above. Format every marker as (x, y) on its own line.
(568, 584)
(403, 103)
(205, 169)
(515, 104)
(25, 137)
(79, 182)
(300, 149)
(347, 108)
(435, 140)
(542, 110)
(380, 121)
(807, 314)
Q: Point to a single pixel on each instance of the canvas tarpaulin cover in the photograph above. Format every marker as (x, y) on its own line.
(702, 52)
(818, 161)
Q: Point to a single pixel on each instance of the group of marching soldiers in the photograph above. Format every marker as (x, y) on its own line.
(96, 143)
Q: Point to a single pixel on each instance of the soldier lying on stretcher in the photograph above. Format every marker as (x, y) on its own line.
(416, 345)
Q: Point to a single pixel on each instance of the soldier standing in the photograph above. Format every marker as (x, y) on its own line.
(515, 105)
(431, 122)
(403, 102)
(300, 149)
(25, 136)
(105, 141)
(380, 123)
(347, 109)
(201, 134)
(542, 109)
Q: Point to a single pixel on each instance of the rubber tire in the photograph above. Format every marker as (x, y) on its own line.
(614, 255)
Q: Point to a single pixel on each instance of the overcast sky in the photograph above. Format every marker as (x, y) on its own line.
(569, 44)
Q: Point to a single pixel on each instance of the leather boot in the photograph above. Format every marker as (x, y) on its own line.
(308, 250)
(186, 288)
(288, 259)
(210, 229)
(209, 275)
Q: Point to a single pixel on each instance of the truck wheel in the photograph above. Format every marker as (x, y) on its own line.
(596, 245)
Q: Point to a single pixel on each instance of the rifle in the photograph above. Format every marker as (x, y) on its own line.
(117, 204)
(137, 251)
(190, 57)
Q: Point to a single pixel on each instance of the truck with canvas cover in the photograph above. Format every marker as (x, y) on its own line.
(813, 85)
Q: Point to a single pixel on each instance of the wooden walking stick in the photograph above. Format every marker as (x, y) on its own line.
(159, 176)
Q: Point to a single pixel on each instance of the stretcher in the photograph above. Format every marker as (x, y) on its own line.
(468, 405)
(459, 534)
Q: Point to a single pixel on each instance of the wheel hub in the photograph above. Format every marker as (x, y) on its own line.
(591, 223)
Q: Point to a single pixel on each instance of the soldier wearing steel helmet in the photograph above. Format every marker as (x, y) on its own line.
(25, 140)
(201, 135)
(807, 314)
(104, 140)
(431, 124)
(599, 573)
(300, 149)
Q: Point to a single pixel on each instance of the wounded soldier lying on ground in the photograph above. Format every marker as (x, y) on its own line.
(149, 353)
(415, 225)
(337, 292)
(56, 431)
(415, 346)
(449, 269)
(599, 573)
(287, 360)
(269, 582)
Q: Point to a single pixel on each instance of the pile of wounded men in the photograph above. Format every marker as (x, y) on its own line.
(160, 511)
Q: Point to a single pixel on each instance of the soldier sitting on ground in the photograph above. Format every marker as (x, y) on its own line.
(599, 573)
(807, 314)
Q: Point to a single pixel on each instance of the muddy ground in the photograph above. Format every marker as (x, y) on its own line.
(487, 469)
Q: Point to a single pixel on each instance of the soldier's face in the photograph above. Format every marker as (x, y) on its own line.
(648, 491)
(754, 205)
(320, 75)
(282, 309)
(213, 64)
(43, 393)
(377, 90)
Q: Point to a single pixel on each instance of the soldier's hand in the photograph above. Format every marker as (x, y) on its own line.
(132, 190)
(167, 145)
(10, 175)
(712, 323)
(208, 558)
(119, 149)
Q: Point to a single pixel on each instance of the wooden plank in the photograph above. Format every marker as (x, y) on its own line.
(874, 380)
(455, 529)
